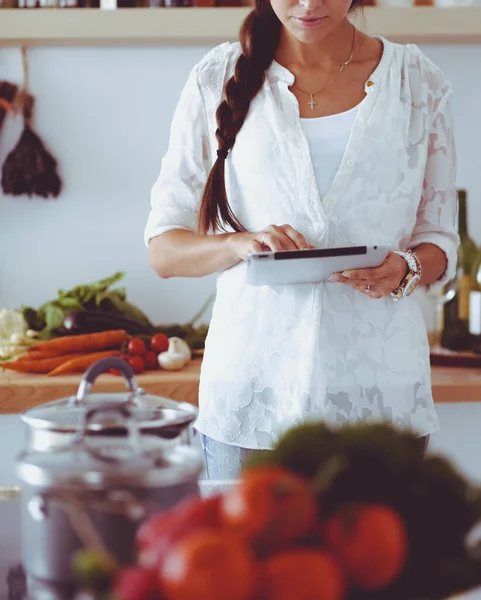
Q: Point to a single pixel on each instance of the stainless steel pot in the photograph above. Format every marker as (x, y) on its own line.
(95, 495)
(161, 420)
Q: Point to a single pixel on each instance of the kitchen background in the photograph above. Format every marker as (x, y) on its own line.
(105, 114)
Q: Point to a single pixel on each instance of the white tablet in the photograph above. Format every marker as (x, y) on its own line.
(310, 266)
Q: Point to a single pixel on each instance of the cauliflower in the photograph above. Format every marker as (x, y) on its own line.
(13, 331)
(12, 322)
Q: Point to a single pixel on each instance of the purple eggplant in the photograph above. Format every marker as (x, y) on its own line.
(91, 321)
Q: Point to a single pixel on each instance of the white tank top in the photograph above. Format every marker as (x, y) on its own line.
(328, 138)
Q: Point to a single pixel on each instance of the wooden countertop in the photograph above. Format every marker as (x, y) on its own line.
(19, 392)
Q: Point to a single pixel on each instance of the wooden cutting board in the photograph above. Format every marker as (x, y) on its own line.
(20, 391)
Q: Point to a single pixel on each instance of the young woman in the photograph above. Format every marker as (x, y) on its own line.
(309, 134)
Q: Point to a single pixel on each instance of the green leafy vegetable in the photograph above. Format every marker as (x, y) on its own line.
(54, 316)
(48, 318)
(115, 301)
(34, 318)
(99, 296)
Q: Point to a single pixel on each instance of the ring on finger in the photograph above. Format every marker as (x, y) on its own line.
(368, 289)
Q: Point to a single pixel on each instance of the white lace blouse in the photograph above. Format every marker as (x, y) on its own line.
(275, 356)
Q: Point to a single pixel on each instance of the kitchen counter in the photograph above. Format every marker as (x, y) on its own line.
(19, 392)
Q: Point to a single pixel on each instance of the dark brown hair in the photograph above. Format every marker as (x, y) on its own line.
(259, 37)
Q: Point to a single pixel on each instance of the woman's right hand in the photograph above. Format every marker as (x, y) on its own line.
(275, 238)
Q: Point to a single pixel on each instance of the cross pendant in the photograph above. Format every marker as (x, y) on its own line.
(312, 103)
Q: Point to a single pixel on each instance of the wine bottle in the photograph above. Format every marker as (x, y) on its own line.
(467, 256)
(475, 304)
(455, 333)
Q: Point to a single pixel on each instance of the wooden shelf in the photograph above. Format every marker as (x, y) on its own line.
(208, 26)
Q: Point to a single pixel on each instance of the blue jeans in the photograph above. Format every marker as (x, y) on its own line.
(223, 461)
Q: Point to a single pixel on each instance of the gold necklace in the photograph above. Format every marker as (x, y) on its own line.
(312, 102)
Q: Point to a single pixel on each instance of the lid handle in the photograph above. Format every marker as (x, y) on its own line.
(126, 415)
(101, 366)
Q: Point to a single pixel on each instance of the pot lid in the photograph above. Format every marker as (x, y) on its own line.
(147, 410)
(134, 462)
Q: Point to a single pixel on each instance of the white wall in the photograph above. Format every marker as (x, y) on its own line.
(105, 114)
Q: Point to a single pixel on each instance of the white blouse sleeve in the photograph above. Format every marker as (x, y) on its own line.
(176, 195)
(436, 215)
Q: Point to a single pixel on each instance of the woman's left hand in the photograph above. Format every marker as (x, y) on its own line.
(377, 282)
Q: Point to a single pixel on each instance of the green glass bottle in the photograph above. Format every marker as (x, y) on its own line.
(455, 333)
(467, 256)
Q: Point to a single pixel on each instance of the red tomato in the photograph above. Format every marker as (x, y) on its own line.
(151, 361)
(137, 364)
(208, 565)
(159, 343)
(137, 347)
(157, 534)
(304, 574)
(135, 583)
(370, 541)
(270, 507)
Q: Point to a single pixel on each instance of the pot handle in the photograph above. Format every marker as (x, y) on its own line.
(101, 366)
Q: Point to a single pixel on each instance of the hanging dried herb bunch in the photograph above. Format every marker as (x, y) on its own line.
(29, 168)
(8, 91)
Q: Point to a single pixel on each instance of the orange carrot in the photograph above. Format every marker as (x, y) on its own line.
(80, 363)
(89, 342)
(45, 365)
(41, 355)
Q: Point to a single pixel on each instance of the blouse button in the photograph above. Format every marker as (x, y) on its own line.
(350, 163)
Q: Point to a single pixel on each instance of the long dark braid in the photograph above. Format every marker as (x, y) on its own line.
(259, 37)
